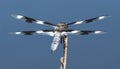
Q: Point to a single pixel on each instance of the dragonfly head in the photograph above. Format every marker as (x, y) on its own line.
(61, 26)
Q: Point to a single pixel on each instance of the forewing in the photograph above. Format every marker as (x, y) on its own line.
(88, 20)
(40, 32)
(31, 20)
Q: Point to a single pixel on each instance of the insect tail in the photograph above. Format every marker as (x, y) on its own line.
(61, 40)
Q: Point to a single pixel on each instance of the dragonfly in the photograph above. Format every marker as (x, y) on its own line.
(59, 30)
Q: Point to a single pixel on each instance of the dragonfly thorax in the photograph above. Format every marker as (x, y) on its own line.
(61, 27)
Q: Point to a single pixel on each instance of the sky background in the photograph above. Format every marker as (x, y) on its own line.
(84, 52)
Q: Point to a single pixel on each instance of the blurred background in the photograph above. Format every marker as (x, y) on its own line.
(84, 52)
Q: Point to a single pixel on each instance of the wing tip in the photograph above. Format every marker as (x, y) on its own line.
(17, 16)
(104, 16)
(100, 32)
(13, 15)
(15, 33)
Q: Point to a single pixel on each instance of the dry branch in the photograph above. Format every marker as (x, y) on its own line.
(63, 59)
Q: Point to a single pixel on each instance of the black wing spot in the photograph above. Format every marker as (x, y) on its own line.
(86, 32)
(30, 20)
(90, 20)
(49, 23)
(28, 32)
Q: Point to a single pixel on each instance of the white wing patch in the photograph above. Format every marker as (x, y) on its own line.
(73, 32)
(45, 33)
(99, 32)
(17, 16)
(79, 22)
(39, 22)
(102, 17)
(17, 33)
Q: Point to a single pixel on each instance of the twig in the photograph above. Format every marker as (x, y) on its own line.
(63, 59)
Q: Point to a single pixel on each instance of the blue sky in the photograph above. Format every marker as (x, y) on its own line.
(84, 52)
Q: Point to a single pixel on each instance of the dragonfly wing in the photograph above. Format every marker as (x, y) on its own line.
(88, 20)
(84, 32)
(43, 32)
(31, 20)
